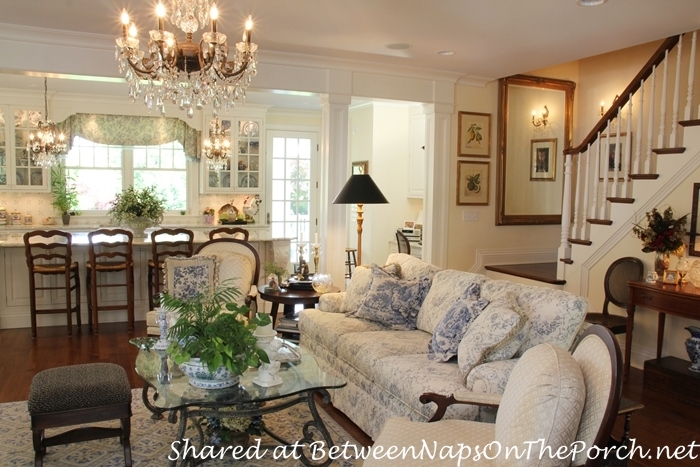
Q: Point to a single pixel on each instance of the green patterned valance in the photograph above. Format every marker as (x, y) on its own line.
(125, 130)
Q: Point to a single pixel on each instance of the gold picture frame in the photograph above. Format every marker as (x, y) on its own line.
(543, 160)
(360, 168)
(472, 183)
(474, 134)
(670, 277)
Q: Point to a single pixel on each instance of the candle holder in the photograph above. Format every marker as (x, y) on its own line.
(162, 319)
(317, 255)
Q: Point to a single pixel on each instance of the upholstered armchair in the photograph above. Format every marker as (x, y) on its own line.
(552, 399)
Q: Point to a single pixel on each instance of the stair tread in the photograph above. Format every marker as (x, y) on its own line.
(578, 241)
(542, 272)
(566, 260)
(644, 176)
(599, 221)
(613, 199)
(694, 122)
(679, 150)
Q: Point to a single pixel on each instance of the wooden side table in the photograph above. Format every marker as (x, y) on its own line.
(290, 298)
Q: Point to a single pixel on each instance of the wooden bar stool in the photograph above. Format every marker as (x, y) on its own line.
(225, 232)
(351, 261)
(110, 251)
(165, 243)
(76, 395)
(49, 253)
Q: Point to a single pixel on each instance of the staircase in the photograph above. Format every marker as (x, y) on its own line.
(642, 148)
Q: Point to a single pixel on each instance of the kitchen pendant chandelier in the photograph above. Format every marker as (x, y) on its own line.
(187, 74)
(47, 145)
(217, 146)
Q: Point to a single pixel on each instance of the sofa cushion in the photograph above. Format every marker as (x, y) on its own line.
(412, 267)
(326, 328)
(543, 401)
(450, 330)
(360, 284)
(449, 286)
(187, 277)
(391, 301)
(496, 334)
(555, 316)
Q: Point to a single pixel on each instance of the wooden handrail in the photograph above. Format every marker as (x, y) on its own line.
(633, 87)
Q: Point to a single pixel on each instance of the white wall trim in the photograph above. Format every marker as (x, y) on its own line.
(492, 256)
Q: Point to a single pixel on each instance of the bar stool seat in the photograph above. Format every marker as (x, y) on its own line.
(49, 253)
(75, 395)
(350, 261)
(110, 251)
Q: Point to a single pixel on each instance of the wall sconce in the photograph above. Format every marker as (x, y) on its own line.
(542, 121)
(602, 105)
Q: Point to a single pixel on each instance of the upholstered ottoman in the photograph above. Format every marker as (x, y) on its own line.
(80, 394)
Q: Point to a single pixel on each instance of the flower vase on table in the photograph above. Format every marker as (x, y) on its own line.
(661, 262)
(661, 235)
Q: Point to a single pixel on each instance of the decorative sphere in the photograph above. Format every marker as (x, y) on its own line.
(322, 283)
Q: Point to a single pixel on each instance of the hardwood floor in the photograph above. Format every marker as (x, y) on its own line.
(662, 422)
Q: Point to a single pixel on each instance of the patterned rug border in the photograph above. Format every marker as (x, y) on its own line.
(150, 440)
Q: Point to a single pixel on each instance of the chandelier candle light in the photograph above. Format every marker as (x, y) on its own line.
(217, 146)
(189, 75)
(47, 145)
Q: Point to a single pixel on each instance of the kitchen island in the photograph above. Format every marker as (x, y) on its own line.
(14, 289)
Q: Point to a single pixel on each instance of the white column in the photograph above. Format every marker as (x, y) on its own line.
(437, 197)
(334, 172)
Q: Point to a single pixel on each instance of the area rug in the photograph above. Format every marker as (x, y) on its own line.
(151, 440)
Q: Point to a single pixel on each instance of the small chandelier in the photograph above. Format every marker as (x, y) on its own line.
(217, 146)
(47, 145)
(189, 75)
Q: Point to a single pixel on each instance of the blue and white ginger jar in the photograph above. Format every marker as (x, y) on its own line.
(692, 345)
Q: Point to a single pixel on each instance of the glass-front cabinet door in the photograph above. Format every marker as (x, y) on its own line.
(17, 169)
(244, 171)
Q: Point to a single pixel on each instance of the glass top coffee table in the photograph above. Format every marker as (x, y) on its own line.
(302, 380)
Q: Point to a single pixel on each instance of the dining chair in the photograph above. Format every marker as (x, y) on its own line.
(402, 242)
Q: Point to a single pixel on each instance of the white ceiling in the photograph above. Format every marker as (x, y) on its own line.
(490, 38)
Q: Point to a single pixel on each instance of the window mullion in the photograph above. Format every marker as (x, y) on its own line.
(127, 167)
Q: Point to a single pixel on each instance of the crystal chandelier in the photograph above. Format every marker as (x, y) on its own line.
(217, 146)
(47, 145)
(185, 73)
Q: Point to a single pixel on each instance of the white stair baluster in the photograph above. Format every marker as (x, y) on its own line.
(605, 155)
(628, 152)
(586, 184)
(596, 177)
(662, 106)
(638, 138)
(691, 79)
(650, 132)
(577, 196)
(565, 246)
(676, 96)
(616, 169)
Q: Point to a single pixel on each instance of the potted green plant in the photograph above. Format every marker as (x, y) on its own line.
(137, 209)
(64, 192)
(212, 340)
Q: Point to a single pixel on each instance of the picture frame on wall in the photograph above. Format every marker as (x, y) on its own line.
(474, 134)
(472, 183)
(608, 145)
(543, 160)
(360, 168)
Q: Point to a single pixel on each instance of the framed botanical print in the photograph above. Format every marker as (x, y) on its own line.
(474, 134)
(543, 159)
(472, 183)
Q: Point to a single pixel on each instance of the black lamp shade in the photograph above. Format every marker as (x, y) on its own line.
(360, 189)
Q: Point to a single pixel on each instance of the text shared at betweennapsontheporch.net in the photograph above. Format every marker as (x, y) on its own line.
(426, 450)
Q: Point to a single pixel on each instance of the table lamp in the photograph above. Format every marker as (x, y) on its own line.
(360, 189)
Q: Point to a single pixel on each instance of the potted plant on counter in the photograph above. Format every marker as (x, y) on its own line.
(64, 192)
(212, 339)
(137, 209)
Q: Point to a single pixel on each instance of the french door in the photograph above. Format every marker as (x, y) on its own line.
(294, 189)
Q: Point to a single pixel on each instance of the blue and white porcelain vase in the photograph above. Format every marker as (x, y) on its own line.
(692, 345)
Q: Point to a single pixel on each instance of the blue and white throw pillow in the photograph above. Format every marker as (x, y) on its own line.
(450, 330)
(392, 301)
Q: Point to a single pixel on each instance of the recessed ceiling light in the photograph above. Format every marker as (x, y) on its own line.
(398, 46)
(590, 2)
(446, 52)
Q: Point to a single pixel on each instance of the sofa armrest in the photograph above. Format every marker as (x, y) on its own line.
(331, 302)
(463, 397)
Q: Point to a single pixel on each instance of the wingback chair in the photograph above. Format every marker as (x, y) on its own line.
(551, 395)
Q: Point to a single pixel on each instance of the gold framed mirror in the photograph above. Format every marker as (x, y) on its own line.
(534, 127)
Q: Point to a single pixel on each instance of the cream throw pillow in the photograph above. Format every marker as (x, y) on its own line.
(360, 284)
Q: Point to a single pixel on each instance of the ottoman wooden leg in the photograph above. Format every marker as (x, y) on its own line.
(126, 433)
(39, 448)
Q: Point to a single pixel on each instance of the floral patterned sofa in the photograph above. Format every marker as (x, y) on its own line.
(409, 327)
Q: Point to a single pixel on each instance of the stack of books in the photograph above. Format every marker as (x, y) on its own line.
(288, 326)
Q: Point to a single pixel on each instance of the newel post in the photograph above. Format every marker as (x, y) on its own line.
(565, 247)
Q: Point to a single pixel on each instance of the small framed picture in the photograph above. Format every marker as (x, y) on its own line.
(608, 147)
(472, 183)
(543, 160)
(474, 134)
(360, 168)
(670, 277)
(408, 224)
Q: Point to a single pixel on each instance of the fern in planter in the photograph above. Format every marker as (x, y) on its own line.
(63, 191)
(213, 328)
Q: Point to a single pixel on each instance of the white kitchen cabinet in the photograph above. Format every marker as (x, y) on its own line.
(17, 170)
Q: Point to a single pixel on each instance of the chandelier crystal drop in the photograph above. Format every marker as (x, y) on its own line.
(217, 147)
(47, 145)
(188, 74)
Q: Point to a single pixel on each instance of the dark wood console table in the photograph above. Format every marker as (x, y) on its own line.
(665, 299)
